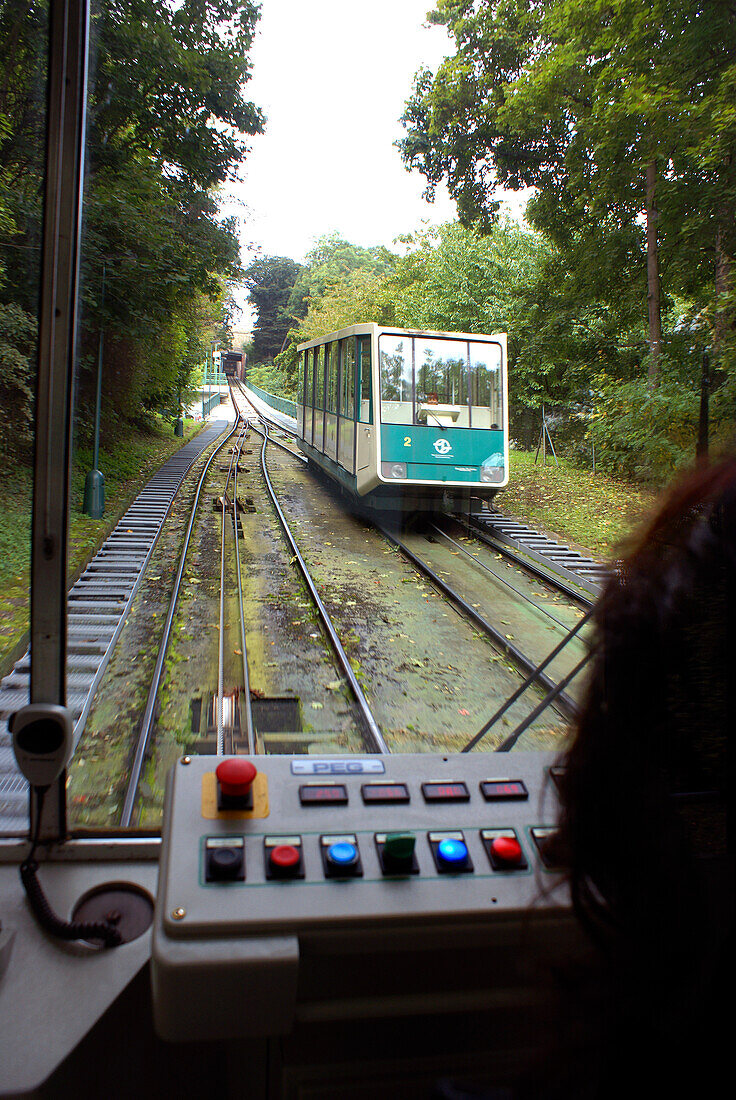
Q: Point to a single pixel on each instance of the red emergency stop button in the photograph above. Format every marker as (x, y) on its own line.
(234, 781)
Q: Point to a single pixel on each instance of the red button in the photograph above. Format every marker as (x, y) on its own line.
(235, 776)
(507, 849)
(285, 857)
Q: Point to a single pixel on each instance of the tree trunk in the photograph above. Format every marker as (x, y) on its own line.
(722, 322)
(653, 300)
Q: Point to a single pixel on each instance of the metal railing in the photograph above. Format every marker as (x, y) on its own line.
(208, 403)
(283, 404)
(213, 378)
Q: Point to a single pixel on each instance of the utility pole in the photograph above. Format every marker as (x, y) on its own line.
(544, 438)
(94, 484)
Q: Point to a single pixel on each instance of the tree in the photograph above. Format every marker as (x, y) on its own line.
(341, 284)
(168, 123)
(270, 281)
(24, 43)
(604, 108)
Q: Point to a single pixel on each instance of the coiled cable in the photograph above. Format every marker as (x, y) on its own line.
(42, 911)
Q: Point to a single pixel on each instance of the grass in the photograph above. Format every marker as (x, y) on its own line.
(137, 453)
(593, 511)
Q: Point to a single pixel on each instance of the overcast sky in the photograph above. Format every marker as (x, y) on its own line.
(332, 77)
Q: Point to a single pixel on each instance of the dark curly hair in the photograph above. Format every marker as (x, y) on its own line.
(647, 780)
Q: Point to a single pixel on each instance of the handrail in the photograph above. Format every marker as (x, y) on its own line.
(283, 404)
(208, 403)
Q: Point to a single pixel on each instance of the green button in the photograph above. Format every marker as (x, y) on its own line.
(399, 846)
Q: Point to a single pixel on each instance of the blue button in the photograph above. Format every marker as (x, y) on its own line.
(452, 851)
(343, 853)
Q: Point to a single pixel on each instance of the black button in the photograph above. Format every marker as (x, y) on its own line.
(546, 839)
(224, 864)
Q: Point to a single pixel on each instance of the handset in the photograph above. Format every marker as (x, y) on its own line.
(42, 741)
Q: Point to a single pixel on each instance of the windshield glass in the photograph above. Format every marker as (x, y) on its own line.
(485, 385)
(189, 616)
(23, 48)
(441, 372)
(453, 382)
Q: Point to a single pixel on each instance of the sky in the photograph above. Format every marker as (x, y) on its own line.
(332, 78)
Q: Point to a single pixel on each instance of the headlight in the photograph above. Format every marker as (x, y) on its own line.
(491, 474)
(393, 469)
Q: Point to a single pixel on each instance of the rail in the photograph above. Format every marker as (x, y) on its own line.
(147, 722)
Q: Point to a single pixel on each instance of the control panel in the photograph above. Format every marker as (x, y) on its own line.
(263, 858)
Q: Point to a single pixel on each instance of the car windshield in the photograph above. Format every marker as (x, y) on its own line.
(444, 382)
(526, 367)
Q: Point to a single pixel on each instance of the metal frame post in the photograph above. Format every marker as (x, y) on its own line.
(67, 93)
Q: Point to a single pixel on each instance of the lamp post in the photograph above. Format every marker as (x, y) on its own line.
(94, 484)
(701, 450)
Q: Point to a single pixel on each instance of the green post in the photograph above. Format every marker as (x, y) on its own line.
(179, 426)
(94, 484)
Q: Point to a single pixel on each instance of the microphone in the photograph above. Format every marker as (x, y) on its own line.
(42, 741)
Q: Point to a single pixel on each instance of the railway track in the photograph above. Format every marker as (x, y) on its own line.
(104, 595)
(375, 741)
(558, 563)
(97, 609)
(232, 701)
(145, 733)
(532, 668)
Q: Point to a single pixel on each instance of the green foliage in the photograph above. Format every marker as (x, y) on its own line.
(17, 346)
(23, 46)
(341, 284)
(270, 281)
(270, 377)
(576, 99)
(594, 511)
(329, 263)
(643, 433)
(167, 128)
